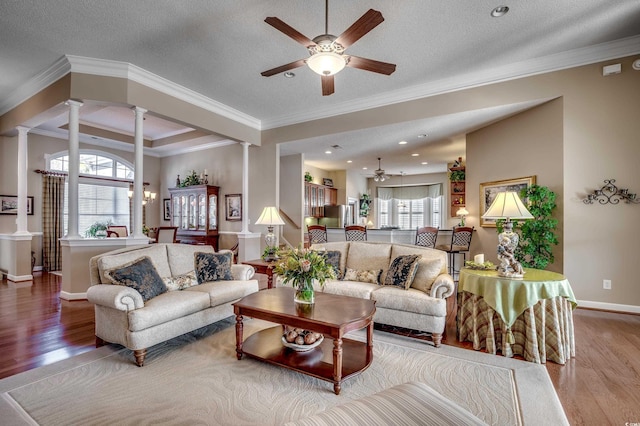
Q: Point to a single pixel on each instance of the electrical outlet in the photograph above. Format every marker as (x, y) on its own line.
(606, 284)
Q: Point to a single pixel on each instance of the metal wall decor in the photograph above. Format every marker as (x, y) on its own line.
(611, 194)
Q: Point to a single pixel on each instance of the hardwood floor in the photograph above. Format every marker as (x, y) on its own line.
(598, 387)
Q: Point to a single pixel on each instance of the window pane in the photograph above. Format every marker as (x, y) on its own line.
(99, 203)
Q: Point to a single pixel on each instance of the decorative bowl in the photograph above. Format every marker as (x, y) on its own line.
(302, 348)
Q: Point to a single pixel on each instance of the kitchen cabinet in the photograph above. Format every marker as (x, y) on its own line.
(194, 211)
(316, 197)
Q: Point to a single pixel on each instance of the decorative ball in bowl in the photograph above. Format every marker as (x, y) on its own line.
(301, 340)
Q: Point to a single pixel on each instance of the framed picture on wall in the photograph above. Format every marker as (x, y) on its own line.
(9, 204)
(489, 190)
(327, 182)
(233, 207)
(166, 203)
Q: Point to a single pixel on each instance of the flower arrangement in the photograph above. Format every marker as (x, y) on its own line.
(191, 179)
(300, 267)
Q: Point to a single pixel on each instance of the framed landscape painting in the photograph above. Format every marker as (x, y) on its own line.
(9, 204)
(489, 190)
(233, 207)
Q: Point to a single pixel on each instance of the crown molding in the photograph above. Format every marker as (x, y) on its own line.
(556, 62)
(55, 72)
(132, 72)
(201, 147)
(108, 68)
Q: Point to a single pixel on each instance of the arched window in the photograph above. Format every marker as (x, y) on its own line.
(102, 190)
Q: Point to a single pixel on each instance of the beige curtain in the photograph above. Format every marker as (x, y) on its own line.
(52, 221)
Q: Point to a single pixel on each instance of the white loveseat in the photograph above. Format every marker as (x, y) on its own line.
(422, 306)
(123, 317)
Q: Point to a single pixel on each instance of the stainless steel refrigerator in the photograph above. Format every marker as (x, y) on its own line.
(337, 216)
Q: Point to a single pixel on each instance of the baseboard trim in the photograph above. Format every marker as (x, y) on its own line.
(604, 306)
(72, 296)
(19, 278)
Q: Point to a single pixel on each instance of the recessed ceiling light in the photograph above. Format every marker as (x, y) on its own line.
(422, 135)
(499, 11)
(402, 143)
(349, 161)
(327, 152)
(415, 154)
(364, 168)
(424, 163)
(289, 74)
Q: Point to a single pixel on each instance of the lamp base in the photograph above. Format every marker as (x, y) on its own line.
(507, 244)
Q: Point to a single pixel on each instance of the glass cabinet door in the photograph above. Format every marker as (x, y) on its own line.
(213, 212)
(175, 211)
(184, 212)
(193, 212)
(202, 211)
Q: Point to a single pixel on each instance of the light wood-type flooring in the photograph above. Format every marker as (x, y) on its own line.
(600, 386)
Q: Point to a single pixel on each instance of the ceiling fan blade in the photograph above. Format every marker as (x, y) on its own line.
(288, 30)
(283, 68)
(371, 65)
(327, 85)
(367, 22)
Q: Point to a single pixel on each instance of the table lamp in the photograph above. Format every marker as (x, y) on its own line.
(270, 217)
(508, 205)
(462, 213)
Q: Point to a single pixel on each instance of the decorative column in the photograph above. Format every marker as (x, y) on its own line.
(74, 167)
(245, 187)
(138, 177)
(22, 181)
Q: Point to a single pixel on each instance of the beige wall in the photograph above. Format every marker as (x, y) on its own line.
(292, 197)
(493, 154)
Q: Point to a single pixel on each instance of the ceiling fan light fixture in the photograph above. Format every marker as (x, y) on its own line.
(326, 63)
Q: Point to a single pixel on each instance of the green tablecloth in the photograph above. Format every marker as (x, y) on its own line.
(510, 297)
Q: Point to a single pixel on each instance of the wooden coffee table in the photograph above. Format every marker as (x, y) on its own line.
(332, 315)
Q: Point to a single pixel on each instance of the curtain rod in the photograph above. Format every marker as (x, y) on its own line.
(48, 172)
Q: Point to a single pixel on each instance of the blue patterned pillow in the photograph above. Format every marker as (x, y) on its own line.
(332, 257)
(140, 275)
(212, 266)
(402, 271)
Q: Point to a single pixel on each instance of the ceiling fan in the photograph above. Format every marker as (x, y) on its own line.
(379, 175)
(327, 51)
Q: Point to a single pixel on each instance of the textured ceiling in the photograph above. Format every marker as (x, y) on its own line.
(219, 47)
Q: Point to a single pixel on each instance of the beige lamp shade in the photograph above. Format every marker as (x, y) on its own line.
(462, 212)
(270, 217)
(507, 205)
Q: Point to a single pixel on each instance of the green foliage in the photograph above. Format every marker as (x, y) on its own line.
(307, 177)
(191, 179)
(300, 265)
(97, 226)
(537, 235)
(457, 176)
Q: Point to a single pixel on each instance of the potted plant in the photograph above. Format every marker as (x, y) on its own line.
(98, 229)
(457, 176)
(308, 177)
(537, 236)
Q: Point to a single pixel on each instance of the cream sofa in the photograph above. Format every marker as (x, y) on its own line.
(422, 307)
(123, 317)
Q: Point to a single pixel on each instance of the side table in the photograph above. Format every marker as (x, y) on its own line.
(531, 317)
(262, 267)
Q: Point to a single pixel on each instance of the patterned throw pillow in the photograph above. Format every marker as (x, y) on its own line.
(140, 275)
(332, 257)
(372, 276)
(181, 282)
(402, 271)
(212, 266)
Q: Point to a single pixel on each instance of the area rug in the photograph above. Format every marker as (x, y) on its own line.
(196, 379)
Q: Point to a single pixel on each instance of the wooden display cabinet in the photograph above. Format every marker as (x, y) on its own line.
(457, 193)
(194, 211)
(316, 197)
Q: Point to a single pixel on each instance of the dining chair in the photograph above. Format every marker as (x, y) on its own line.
(355, 233)
(166, 234)
(120, 231)
(317, 234)
(426, 236)
(460, 244)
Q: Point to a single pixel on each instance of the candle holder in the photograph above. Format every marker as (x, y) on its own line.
(611, 194)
